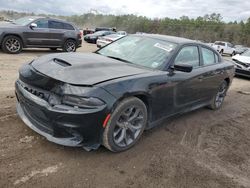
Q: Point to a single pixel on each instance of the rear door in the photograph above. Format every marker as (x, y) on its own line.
(212, 73)
(57, 32)
(38, 36)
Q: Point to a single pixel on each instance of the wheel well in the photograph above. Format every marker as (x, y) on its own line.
(142, 97)
(15, 36)
(228, 81)
(70, 39)
(145, 100)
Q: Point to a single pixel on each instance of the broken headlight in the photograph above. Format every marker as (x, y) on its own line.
(82, 102)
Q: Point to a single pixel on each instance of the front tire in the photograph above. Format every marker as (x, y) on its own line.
(219, 97)
(12, 44)
(69, 46)
(126, 125)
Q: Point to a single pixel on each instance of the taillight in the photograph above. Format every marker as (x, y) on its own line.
(80, 35)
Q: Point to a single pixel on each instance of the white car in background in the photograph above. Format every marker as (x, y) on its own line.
(242, 63)
(224, 48)
(103, 41)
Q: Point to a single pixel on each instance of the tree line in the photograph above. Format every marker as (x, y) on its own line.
(207, 28)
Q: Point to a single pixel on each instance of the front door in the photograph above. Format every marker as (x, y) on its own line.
(187, 90)
(38, 36)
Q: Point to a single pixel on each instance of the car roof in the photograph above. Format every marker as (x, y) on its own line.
(44, 17)
(178, 40)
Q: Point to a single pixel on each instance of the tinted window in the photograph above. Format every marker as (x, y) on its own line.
(56, 25)
(188, 55)
(42, 23)
(220, 43)
(68, 26)
(208, 56)
(230, 45)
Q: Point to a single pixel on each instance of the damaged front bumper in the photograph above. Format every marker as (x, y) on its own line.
(61, 124)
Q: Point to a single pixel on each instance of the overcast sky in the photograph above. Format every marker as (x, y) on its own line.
(230, 9)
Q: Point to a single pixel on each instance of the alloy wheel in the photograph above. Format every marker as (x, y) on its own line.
(70, 46)
(220, 95)
(12, 45)
(128, 126)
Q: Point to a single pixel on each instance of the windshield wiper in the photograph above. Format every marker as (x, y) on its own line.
(120, 59)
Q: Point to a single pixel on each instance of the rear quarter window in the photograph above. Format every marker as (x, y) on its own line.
(68, 26)
(56, 25)
(208, 56)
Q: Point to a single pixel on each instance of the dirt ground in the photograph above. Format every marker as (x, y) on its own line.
(203, 148)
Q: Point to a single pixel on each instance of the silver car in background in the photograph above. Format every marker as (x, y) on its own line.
(103, 41)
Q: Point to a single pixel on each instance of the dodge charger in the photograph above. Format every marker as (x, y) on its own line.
(109, 97)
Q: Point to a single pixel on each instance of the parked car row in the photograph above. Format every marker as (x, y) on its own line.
(39, 32)
(92, 38)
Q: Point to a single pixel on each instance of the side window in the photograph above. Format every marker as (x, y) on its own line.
(56, 25)
(68, 26)
(188, 55)
(230, 45)
(208, 56)
(42, 23)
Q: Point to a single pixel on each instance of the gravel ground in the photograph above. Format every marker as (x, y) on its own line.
(203, 148)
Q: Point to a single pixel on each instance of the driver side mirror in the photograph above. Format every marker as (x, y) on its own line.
(33, 25)
(183, 67)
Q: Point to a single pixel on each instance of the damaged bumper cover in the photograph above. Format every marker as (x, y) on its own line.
(60, 124)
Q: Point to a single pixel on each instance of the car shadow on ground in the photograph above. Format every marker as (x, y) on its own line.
(36, 51)
(242, 77)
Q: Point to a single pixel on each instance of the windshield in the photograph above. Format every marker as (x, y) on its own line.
(23, 21)
(144, 51)
(246, 53)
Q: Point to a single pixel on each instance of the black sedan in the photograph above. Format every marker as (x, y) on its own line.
(111, 96)
(92, 38)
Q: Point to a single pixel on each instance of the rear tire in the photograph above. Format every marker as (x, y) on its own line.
(69, 46)
(12, 44)
(219, 97)
(125, 125)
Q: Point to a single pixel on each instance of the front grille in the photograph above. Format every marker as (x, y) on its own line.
(35, 91)
(246, 65)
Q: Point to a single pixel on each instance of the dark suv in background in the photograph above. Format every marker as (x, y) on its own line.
(39, 32)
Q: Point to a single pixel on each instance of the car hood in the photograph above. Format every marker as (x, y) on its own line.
(241, 58)
(84, 68)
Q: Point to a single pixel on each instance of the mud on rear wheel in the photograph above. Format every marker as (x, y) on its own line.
(219, 97)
